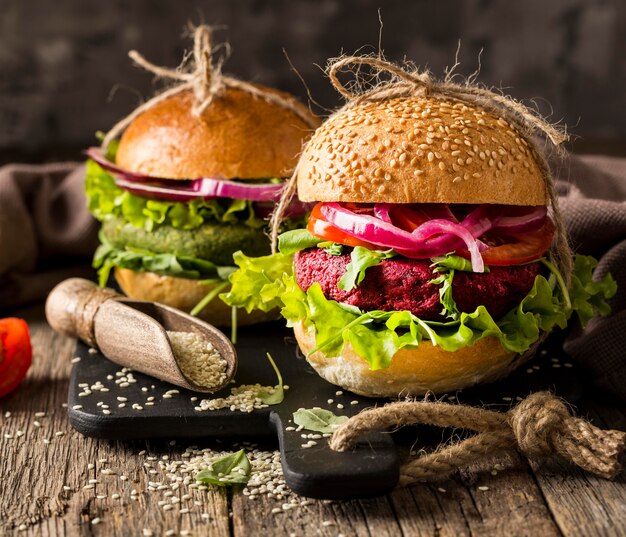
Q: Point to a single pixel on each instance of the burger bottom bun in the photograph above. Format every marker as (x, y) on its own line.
(184, 294)
(426, 368)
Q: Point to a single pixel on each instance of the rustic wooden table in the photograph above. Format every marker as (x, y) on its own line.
(46, 468)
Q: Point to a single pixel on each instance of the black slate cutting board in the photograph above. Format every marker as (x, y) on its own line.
(372, 469)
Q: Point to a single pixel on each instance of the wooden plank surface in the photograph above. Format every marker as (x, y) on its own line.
(45, 488)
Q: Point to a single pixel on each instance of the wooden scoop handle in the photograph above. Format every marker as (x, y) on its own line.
(72, 306)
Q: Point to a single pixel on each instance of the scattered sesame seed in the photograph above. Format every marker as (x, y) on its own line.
(96, 521)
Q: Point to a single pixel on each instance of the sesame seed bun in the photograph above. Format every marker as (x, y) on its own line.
(419, 150)
(414, 371)
(184, 294)
(237, 136)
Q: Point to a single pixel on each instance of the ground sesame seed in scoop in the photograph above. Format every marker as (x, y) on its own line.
(152, 338)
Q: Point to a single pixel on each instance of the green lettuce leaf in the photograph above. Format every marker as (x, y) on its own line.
(105, 200)
(588, 295)
(107, 257)
(360, 260)
(258, 284)
(377, 335)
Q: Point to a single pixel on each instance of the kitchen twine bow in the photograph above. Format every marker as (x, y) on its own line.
(539, 426)
(415, 83)
(205, 79)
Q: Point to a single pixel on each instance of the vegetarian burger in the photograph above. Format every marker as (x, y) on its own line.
(425, 263)
(182, 192)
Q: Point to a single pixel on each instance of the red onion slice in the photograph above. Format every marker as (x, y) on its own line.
(523, 219)
(168, 189)
(367, 228)
(439, 226)
(381, 211)
(415, 244)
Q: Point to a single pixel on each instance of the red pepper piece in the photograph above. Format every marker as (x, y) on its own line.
(16, 353)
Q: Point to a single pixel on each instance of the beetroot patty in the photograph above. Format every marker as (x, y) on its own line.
(402, 284)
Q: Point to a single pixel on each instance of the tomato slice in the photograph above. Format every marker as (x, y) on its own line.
(406, 218)
(319, 227)
(518, 249)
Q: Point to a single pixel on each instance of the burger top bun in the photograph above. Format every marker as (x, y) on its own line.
(239, 135)
(419, 150)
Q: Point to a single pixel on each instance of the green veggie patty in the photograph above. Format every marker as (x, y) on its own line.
(211, 241)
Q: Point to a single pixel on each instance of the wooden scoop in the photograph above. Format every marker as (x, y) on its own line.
(132, 333)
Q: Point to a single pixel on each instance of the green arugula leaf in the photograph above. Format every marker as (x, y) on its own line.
(318, 419)
(295, 240)
(332, 248)
(360, 260)
(446, 299)
(278, 395)
(232, 469)
(455, 262)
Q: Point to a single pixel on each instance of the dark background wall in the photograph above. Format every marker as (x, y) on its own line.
(60, 61)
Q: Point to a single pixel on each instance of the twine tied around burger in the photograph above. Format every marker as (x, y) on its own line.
(539, 426)
(414, 83)
(204, 77)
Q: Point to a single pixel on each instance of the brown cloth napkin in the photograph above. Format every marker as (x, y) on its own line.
(592, 192)
(47, 234)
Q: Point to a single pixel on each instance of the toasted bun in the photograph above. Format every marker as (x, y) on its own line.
(237, 136)
(416, 371)
(184, 294)
(419, 150)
